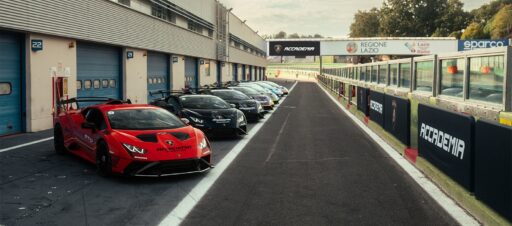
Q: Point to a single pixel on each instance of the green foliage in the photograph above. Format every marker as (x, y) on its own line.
(280, 35)
(500, 26)
(474, 31)
(366, 24)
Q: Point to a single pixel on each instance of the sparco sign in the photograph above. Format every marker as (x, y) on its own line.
(445, 139)
(294, 48)
(465, 45)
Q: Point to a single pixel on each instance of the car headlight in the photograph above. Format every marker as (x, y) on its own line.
(203, 144)
(241, 118)
(134, 149)
(196, 120)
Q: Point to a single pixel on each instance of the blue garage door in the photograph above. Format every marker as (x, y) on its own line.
(98, 71)
(244, 73)
(158, 72)
(191, 73)
(235, 72)
(10, 84)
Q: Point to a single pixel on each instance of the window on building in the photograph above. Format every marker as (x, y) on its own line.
(124, 2)
(424, 76)
(383, 74)
(97, 84)
(163, 13)
(486, 78)
(78, 85)
(195, 27)
(368, 73)
(405, 75)
(393, 74)
(452, 77)
(87, 84)
(104, 83)
(210, 33)
(362, 74)
(112, 83)
(5, 88)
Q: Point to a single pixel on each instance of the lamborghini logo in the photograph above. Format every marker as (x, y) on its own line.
(278, 48)
(169, 142)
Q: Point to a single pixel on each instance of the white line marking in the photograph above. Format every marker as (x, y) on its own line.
(459, 214)
(273, 149)
(26, 144)
(178, 214)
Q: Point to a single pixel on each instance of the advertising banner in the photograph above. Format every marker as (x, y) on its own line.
(465, 45)
(445, 140)
(362, 100)
(387, 47)
(294, 48)
(397, 118)
(377, 107)
(493, 166)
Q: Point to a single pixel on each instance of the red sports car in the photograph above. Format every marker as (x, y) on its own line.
(128, 139)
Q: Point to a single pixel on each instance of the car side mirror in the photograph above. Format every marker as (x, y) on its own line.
(232, 105)
(185, 120)
(89, 125)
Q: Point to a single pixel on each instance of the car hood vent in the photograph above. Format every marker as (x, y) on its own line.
(148, 138)
(180, 136)
(153, 137)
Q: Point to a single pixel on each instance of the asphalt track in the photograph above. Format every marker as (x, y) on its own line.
(308, 165)
(311, 165)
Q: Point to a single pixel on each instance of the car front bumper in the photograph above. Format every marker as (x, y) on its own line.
(168, 168)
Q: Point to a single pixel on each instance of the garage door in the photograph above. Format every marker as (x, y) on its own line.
(235, 72)
(10, 84)
(158, 72)
(191, 73)
(98, 71)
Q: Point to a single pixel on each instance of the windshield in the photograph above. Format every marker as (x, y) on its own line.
(143, 119)
(272, 84)
(230, 95)
(246, 90)
(255, 87)
(265, 85)
(203, 102)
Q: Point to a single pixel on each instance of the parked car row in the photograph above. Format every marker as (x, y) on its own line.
(169, 136)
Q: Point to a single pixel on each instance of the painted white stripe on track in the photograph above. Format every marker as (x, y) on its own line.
(26, 144)
(448, 204)
(187, 204)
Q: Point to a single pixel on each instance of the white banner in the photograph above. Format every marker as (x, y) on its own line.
(387, 47)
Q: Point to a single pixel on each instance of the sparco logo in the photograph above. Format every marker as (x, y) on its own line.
(278, 48)
(470, 45)
(376, 106)
(299, 49)
(442, 140)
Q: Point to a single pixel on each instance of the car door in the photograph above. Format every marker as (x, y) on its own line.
(90, 136)
(174, 105)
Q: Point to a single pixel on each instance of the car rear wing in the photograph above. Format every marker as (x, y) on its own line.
(81, 102)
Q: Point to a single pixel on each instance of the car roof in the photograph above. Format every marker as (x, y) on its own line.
(113, 107)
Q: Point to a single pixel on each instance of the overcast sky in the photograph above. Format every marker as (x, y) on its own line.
(326, 17)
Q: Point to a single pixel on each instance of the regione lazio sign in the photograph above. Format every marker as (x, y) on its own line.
(465, 45)
(294, 48)
(387, 47)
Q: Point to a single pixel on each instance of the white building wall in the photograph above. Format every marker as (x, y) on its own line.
(241, 30)
(135, 76)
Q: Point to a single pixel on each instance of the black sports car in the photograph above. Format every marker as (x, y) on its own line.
(208, 113)
(251, 108)
(265, 101)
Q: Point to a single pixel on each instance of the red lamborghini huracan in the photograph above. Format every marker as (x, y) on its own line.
(133, 140)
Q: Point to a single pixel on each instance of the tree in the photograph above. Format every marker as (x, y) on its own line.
(318, 36)
(485, 13)
(474, 31)
(293, 36)
(500, 26)
(366, 24)
(452, 19)
(280, 35)
(411, 18)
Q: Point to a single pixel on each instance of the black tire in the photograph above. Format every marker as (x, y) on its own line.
(103, 160)
(58, 140)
